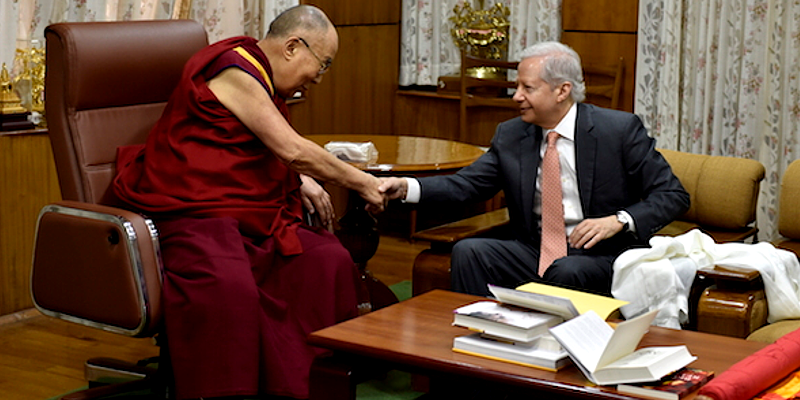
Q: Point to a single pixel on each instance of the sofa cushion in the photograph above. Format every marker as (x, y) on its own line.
(789, 213)
(723, 190)
(770, 333)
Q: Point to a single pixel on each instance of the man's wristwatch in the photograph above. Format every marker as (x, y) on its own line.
(624, 220)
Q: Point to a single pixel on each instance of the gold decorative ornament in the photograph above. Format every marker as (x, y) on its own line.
(9, 101)
(482, 33)
(13, 116)
(30, 62)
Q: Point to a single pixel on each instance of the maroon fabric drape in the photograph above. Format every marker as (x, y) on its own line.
(758, 371)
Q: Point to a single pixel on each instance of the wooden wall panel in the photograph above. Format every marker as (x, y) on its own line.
(602, 31)
(359, 12)
(606, 48)
(28, 181)
(599, 15)
(357, 94)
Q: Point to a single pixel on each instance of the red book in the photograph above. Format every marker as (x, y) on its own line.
(671, 387)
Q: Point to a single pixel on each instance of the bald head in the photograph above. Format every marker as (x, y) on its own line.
(300, 46)
(300, 19)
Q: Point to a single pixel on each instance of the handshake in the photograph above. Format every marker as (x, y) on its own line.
(387, 189)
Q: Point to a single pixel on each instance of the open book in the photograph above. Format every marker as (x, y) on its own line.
(565, 303)
(606, 355)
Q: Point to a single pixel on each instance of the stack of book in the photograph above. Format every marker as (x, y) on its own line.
(542, 326)
(516, 328)
(508, 333)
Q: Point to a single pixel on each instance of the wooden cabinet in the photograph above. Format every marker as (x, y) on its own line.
(599, 15)
(359, 12)
(28, 181)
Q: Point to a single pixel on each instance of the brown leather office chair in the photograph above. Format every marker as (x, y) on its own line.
(106, 85)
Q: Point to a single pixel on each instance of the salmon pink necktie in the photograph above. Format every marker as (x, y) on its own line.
(554, 237)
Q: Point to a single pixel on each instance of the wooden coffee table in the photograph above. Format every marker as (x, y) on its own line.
(417, 336)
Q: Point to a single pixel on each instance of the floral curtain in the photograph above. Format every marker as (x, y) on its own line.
(722, 77)
(427, 50)
(24, 20)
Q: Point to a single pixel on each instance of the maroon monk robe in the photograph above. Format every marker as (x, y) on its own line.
(245, 282)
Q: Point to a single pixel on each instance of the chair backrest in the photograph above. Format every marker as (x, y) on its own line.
(723, 190)
(106, 85)
(483, 92)
(604, 84)
(789, 207)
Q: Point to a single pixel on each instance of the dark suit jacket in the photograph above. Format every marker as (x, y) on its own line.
(617, 165)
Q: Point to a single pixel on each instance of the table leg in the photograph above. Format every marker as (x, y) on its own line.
(335, 377)
(331, 380)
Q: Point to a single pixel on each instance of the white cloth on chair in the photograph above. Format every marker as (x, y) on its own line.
(660, 277)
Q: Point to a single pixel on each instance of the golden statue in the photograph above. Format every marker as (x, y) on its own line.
(32, 62)
(9, 101)
(482, 33)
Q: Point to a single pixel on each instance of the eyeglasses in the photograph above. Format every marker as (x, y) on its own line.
(323, 65)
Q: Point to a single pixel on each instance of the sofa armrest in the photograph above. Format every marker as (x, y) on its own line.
(478, 225)
(732, 276)
(432, 266)
(734, 305)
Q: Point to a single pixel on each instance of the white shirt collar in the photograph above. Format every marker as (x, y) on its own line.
(566, 127)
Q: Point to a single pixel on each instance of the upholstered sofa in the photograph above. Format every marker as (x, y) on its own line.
(724, 193)
(789, 228)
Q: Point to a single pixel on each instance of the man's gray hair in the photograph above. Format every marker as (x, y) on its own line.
(561, 64)
(302, 18)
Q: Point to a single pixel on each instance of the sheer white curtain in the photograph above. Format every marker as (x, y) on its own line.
(22, 20)
(722, 77)
(427, 50)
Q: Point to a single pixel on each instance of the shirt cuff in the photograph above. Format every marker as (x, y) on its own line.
(628, 219)
(414, 191)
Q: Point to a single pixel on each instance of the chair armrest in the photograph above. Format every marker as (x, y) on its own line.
(465, 228)
(99, 266)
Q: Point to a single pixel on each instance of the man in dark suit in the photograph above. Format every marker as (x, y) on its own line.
(617, 190)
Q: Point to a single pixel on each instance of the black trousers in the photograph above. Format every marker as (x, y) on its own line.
(477, 262)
